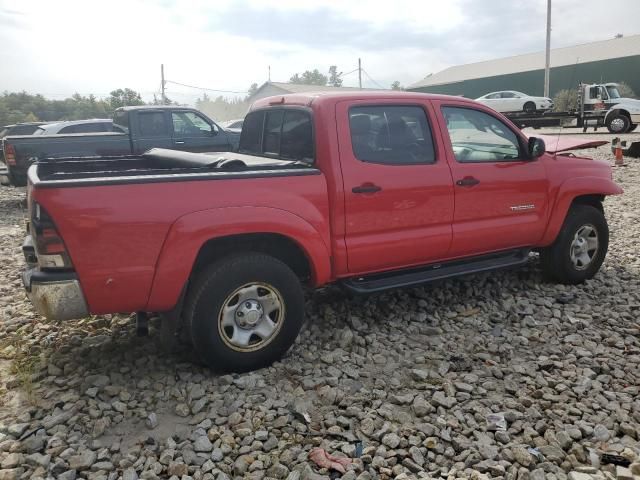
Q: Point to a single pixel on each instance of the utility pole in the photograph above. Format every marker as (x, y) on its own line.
(359, 73)
(164, 97)
(548, 51)
(269, 72)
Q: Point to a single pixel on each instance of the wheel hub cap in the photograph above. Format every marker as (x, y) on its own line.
(617, 124)
(249, 313)
(584, 247)
(251, 317)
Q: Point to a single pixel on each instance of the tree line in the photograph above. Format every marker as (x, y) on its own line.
(25, 107)
(16, 107)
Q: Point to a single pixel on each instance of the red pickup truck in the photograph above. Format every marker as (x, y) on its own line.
(371, 190)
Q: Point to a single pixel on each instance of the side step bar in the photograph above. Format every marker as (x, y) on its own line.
(438, 271)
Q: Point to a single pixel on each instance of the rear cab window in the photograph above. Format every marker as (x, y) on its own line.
(285, 133)
(121, 121)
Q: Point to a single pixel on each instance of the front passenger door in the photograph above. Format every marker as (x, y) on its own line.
(193, 133)
(501, 195)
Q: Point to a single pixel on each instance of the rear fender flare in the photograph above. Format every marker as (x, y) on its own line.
(189, 233)
(568, 191)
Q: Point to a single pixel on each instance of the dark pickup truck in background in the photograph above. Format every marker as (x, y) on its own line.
(144, 127)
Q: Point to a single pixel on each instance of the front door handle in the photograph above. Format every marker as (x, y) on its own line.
(179, 142)
(468, 182)
(366, 188)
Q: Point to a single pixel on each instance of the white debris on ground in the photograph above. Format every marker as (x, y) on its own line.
(499, 375)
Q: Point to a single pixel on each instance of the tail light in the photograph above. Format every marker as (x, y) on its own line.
(9, 154)
(50, 249)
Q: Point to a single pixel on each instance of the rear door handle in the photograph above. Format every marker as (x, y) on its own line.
(468, 182)
(179, 142)
(366, 188)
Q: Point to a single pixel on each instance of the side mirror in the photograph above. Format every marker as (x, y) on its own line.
(536, 147)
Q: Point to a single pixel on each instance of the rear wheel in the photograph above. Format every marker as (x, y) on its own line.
(245, 312)
(580, 248)
(529, 107)
(618, 123)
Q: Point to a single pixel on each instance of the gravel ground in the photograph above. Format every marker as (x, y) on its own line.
(498, 375)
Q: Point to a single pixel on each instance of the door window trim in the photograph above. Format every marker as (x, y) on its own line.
(522, 151)
(430, 123)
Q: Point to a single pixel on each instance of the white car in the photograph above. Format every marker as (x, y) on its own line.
(233, 125)
(512, 101)
(93, 125)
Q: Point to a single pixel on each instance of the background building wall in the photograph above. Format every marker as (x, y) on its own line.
(624, 69)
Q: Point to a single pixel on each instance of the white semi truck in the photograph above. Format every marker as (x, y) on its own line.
(598, 105)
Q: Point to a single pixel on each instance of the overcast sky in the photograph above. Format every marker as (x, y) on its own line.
(58, 47)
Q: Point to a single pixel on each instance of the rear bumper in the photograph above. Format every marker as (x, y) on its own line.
(55, 295)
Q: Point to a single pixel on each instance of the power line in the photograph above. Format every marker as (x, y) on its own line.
(203, 88)
(369, 77)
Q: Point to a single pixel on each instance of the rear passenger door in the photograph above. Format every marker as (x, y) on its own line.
(398, 189)
(152, 130)
(194, 133)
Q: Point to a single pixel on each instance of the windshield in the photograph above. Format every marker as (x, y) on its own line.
(612, 90)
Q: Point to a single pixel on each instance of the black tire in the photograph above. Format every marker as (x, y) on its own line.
(17, 179)
(556, 259)
(216, 285)
(618, 123)
(632, 127)
(529, 107)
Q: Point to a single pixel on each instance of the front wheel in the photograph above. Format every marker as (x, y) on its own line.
(245, 312)
(632, 127)
(529, 107)
(580, 247)
(618, 123)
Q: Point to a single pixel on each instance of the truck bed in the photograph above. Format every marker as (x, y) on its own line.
(159, 165)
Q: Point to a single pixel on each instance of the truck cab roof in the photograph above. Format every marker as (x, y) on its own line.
(319, 98)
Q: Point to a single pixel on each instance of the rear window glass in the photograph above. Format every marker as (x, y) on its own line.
(121, 119)
(280, 132)
(23, 129)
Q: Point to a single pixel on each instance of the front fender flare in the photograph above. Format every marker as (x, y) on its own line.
(568, 191)
(189, 233)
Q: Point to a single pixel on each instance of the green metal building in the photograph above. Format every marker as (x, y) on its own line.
(615, 60)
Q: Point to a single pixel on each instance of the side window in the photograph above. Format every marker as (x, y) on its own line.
(89, 128)
(69, 129)
(190, 124)
(493, 96)
(394, 135)
(479, 137)
(508, 95)
(152, 124)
